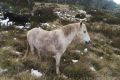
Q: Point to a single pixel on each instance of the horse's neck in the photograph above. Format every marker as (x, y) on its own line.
(70, 37)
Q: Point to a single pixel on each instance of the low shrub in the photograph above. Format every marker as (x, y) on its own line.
(81, 16)
(105, 16)
(45, 14)
(79, 71)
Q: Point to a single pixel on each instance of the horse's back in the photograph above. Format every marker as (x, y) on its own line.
(34, 32)
(37, 33)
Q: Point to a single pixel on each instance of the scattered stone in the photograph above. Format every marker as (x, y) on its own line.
(74, 61)
(54, 26)
(70, 15)
(92, 68)
(101, 57)
(44, 25)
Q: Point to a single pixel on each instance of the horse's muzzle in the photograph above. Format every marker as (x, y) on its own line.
(87, 42)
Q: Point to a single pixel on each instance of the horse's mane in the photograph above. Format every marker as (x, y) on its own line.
(69, 28)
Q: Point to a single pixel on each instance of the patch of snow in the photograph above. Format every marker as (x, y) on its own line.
(88, 16)
(27, 25)
(64, 59)
(3, 70)
(17, 60)
(16, 52)
(6, 48)
(36, 73)
(45, 24)
(118, 55)
(92, 68)
(6, 31)
(101, 57)
(85, 19)
(101, 39)
(54, 25)
(15, 38)
(82, 53)
(85, 50)
(77, 51)
(110, 41)
(105, 19)
(82, 11)
(4, 22)
(25, 29)
(64, 76)
(57, 12)
(94, 10)
(74, 61)
(19, 27)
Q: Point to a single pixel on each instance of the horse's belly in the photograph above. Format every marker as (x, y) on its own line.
(49, 50)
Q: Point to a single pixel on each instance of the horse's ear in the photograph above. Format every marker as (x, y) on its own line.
(81, 23)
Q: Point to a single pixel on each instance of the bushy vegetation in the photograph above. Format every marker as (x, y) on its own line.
(105, 16)
(45, 14)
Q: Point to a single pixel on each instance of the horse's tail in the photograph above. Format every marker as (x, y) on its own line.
(27, 51)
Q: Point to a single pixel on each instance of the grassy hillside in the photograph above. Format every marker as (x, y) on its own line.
(101, 62)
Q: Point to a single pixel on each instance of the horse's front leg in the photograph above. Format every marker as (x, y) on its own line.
(38, 54)
(24, 24)
(57, 58)
(7, 22)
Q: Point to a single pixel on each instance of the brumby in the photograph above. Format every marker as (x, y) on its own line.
(56, 41)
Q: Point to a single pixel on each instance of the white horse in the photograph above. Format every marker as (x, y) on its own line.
(56, 41)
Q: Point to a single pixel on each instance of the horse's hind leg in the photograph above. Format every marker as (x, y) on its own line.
(27, 51)
(24, 24)
(38, 54)
(7, 23)
(32, 48)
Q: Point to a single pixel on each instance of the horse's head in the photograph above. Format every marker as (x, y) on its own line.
(84, 36)
(5, 14)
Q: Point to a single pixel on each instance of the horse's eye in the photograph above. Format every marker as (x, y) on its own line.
(84, 31)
